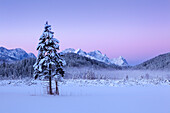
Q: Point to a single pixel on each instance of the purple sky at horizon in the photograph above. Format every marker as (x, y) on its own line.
(135, 29)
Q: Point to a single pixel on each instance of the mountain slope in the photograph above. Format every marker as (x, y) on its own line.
(76, 60)
(161, 62)
(9, 55)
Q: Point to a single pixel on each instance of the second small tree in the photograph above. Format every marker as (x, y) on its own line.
(49, 62)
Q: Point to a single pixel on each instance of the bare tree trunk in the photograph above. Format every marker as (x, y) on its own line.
(57, 91)
(50, 86)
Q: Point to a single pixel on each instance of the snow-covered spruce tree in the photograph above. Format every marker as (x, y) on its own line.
(49, 62)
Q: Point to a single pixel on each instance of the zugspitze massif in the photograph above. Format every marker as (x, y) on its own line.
(97, 55)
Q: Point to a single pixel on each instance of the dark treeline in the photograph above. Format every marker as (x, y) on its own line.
(18, 69)
(24, 68)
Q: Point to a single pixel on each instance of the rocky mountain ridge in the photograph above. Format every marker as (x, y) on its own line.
(10, 55)
(97, 55)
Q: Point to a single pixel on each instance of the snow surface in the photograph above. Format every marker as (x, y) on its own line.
(97, 55)
(85, 96)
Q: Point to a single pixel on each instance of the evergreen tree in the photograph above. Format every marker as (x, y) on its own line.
(49, 62)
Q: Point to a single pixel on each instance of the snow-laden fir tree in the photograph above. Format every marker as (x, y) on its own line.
(49, 62)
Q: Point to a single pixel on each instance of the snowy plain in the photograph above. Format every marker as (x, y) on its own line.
(86, 96)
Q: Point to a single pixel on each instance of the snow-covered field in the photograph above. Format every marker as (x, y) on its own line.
(86, 96)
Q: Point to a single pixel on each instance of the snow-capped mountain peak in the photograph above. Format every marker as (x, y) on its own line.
(97, 52)
(80, 52)
(69, 50)
(97, 55)
(14, 54)
(119, 61)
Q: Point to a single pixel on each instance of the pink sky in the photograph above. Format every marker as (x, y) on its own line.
(137, 30)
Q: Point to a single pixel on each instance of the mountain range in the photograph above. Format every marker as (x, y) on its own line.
(79, 58)
(97, 55)
(10, 55)
(76, 60)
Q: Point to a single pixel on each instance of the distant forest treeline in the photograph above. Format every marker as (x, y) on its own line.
(24, 68)
(18, 69)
